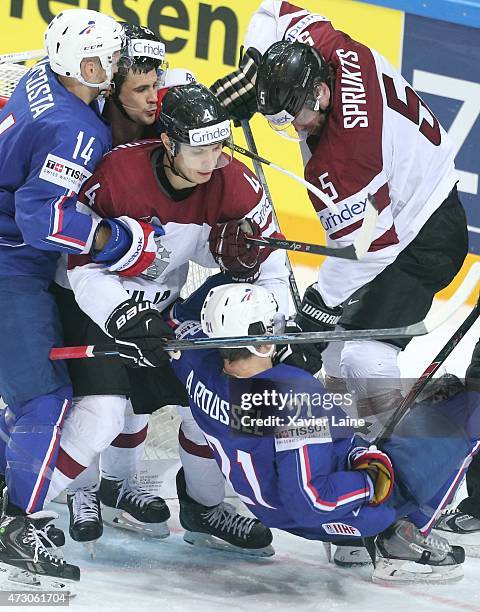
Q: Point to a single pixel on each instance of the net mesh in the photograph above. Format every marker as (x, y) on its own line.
(10, 74)
(162, 436)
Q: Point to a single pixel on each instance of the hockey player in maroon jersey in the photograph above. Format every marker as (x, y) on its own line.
(363, 130)
(187, 183)
(132, 108)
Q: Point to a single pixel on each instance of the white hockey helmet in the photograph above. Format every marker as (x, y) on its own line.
(75, 34)
(239, 309)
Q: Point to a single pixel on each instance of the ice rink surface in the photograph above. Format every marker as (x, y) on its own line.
(134, 574)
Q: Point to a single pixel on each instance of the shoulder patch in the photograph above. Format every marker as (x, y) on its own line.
(64, 172)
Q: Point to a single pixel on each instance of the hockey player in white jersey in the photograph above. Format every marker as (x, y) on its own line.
(51, 138)
(199, 195)
(364, 131)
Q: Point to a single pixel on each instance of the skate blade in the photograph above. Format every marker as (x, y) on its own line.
(351, 556)
(16, 579)
(327, 547)
(472, 549)
(398, 571)
(91, 548)
(116, 517)
(206, 540)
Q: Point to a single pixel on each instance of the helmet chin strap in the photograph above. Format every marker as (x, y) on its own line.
(254, 351)
(171, 167)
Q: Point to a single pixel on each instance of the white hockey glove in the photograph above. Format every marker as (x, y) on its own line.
(236, 91)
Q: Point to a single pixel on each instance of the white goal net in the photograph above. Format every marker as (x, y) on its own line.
(163, 426)
(10, 74)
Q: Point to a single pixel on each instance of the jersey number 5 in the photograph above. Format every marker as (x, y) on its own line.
(413, 109)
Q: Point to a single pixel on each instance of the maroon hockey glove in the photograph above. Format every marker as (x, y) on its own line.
(378, 467)
(231, 251)
(139, 332)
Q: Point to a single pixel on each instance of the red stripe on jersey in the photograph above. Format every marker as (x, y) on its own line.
(198, 450)
(68, 466)
(309, 484)
(130, 440)
(385, 240)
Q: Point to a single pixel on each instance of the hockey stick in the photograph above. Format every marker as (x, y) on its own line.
(247, 130)
(22, 56)
(421, 328)
(427, 375)
(329, 203)
(353, 251)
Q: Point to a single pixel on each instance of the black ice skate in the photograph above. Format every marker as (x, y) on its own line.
(221, 527)
(86, 524)
(128, 506)
(407, 556)
(460, 528)
(25, 561)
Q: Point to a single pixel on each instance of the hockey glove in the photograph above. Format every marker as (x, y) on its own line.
(315, 316)
(378, 467)
(304, 356)
(236, 91)
(131, 248)
(231, 251)
(139, 332)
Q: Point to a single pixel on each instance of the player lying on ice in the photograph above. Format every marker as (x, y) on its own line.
(320, 482)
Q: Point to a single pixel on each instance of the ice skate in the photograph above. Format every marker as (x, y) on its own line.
(127, 505)
(461, 529)
(221, 527)
(25, 562)
(351, 554)
(86, 524)
(406, 556)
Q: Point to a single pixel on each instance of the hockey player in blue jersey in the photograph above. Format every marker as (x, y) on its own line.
(313, 478)
(51, 138)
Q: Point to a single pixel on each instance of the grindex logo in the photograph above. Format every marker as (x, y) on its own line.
(347, 213)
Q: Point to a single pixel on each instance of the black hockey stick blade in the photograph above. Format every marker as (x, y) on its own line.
(357, 250)
(421, 328)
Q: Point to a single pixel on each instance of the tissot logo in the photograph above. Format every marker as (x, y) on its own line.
(63, 172)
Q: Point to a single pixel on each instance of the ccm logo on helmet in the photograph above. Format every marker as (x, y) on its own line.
(210, 134)
(147, 48)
